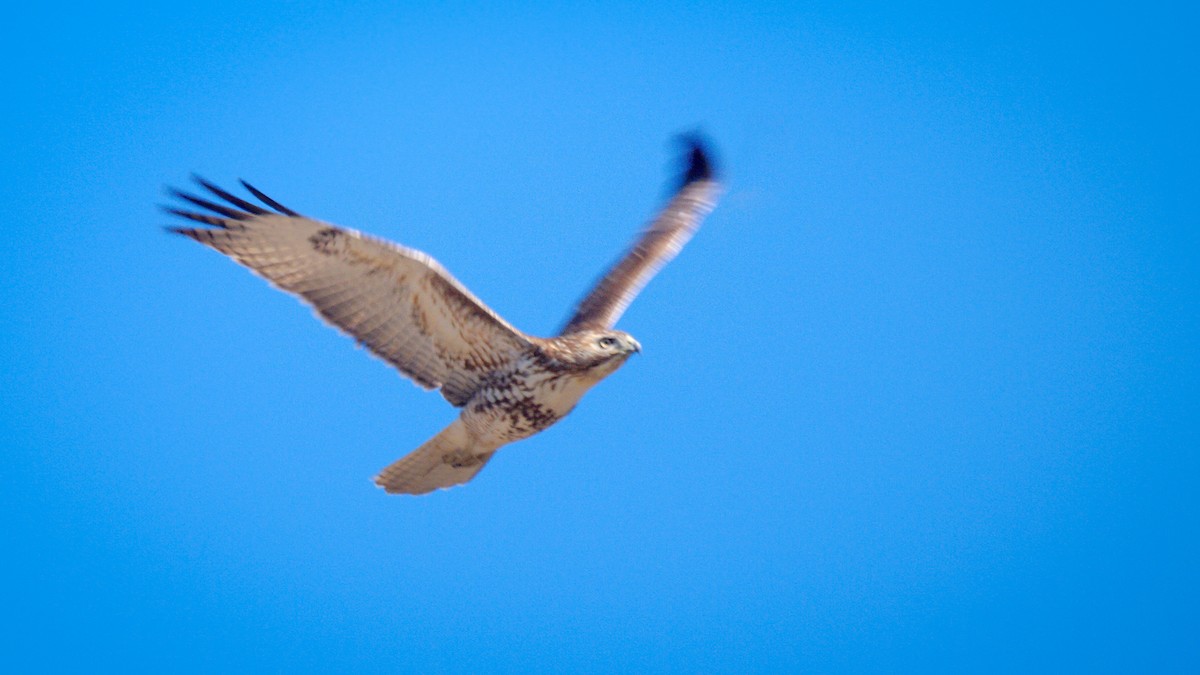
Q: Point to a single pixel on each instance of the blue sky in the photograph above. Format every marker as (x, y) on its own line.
(921, 395)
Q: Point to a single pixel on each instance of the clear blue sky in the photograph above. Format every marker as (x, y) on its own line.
(921, 395)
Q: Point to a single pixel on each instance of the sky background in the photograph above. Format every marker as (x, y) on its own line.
(921, 394)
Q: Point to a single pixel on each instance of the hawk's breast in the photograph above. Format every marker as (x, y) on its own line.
(519, 402)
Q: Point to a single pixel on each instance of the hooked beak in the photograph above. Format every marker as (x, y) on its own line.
(635, 346)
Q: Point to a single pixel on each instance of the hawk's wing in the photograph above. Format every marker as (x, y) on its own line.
(655, 247)
(400, 303)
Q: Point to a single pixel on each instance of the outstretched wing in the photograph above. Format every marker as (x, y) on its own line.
(655, 247)
(400, 303)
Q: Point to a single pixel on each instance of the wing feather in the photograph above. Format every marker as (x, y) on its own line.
(399, 303)
(655, 246)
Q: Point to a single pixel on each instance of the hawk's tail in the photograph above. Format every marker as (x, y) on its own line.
(443, 461)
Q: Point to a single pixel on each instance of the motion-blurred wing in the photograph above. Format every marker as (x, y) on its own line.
(400, 303)
(657, 245)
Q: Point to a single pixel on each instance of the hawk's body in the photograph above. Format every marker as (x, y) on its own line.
(408, 310)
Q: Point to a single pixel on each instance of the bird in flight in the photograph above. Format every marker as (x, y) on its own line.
(409, 311)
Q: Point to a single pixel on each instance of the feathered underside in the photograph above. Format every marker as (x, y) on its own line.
(408, 310)
(399, 303)
(661, 241)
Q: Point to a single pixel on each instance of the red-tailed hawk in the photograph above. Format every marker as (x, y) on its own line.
(409, 311)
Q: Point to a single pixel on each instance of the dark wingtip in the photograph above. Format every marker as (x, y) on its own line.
(197, 217)
(267, 200)
(698, 157)
(230, 198)
(188, 232)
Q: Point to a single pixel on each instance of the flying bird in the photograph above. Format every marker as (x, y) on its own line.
(409, 311)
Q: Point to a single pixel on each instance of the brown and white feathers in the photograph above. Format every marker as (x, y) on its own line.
(408, 310)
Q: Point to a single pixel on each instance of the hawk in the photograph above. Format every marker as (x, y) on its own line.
(409, 311)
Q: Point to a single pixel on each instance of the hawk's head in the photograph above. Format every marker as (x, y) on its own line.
(597, 351)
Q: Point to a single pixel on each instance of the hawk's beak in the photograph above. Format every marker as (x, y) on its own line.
(635, 346)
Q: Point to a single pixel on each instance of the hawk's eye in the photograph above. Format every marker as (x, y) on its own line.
(607, 342)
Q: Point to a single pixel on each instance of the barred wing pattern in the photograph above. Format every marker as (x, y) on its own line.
(655, 246)
(399, 303)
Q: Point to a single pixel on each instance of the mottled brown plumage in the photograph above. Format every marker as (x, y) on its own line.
(408, 310)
